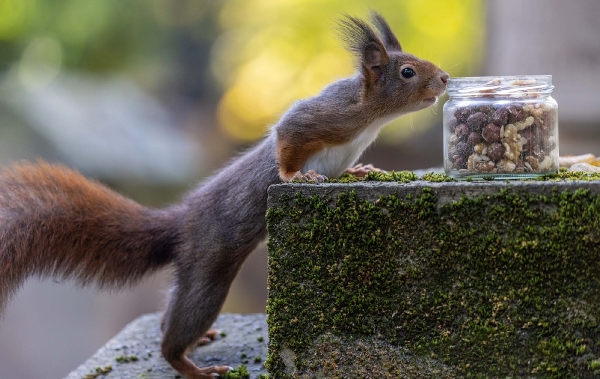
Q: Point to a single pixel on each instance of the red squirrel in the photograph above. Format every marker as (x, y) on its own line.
(55, 222)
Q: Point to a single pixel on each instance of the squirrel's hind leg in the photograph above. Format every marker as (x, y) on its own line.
(192, 309)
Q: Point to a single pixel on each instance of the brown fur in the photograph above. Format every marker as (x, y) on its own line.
(54, 222)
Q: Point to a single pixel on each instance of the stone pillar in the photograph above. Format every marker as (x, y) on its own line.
(434, 280)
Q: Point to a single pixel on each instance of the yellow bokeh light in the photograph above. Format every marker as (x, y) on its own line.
(15, 17)
(278, 52)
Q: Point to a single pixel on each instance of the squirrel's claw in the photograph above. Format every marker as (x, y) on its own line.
(210, 336)
(309, 176)
(361, 170)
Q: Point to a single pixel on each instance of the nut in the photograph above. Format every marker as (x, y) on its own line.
(515, 114)
(462, 148)
(479, 148)
(511, 133)
(495, 151)
(477, 121)
(460, 163)
(506, 166)
(462, 131)
(462, 114)
(533, 162)
(452, 123)
(545, 164)
(500, 116)
(524, 124)
(474, 138)
(491, 133)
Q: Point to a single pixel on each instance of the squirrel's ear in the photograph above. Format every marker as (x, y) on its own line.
(364, 43)
(389, 38)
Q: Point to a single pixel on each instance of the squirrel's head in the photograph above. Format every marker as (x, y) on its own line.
(392, 79)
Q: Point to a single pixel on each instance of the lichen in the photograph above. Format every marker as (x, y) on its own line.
(504, 285)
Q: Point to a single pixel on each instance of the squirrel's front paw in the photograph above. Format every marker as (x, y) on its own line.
(309, 176)
(361, 170)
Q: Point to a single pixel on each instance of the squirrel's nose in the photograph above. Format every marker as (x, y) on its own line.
(444, 78)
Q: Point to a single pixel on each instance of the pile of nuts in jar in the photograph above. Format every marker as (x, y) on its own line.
(502, 138)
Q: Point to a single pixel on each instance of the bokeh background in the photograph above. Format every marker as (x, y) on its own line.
(152, 96)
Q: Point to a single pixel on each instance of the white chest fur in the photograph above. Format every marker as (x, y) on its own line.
(332, 161)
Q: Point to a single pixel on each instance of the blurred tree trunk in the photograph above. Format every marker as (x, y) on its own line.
(556, 37)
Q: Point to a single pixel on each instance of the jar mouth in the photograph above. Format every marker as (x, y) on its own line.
(521, 85)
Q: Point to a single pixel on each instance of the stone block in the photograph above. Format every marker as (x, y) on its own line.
(434, 280)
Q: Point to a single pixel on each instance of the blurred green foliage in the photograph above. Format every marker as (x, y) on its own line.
(263, 55)
(137, 37)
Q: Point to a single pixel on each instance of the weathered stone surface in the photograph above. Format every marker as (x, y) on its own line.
(434, 280)
(135, 352)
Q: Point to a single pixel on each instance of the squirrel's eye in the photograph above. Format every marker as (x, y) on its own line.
(408, 72)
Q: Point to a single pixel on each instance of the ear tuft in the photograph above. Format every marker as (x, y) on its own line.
(361, 40)
(389, 38)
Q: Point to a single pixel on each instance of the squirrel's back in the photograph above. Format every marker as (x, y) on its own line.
(55, 222)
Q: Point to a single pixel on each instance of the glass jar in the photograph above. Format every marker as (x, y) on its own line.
(500, 127)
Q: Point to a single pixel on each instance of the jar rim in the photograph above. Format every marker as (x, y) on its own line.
(516, 85)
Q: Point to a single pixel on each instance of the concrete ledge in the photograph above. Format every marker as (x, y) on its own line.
(135, 352)
(434, 280)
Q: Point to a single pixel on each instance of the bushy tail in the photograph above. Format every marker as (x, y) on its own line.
(55, 222)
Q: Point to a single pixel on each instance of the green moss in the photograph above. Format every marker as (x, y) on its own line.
(504, 285)
(345, 178)
(98, 371)
(126, 358)
(433, 177)
(409, 176)
(564, 174)
(392, 176)
(238, 373)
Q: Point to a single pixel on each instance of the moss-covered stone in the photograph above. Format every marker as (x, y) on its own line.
(425, 282)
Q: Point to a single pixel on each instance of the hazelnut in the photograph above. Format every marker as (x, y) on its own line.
(452, 124)
(477, 121)
(491, 133)
(515, 114)
(462, 131)
(547, 120)
(495, 151)
(500, 116)
(474, 138)
(460, 163)
(451, 152)
(527, 135)
(533, 162)
(462, 148)
(462, 114)
(486, 109)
